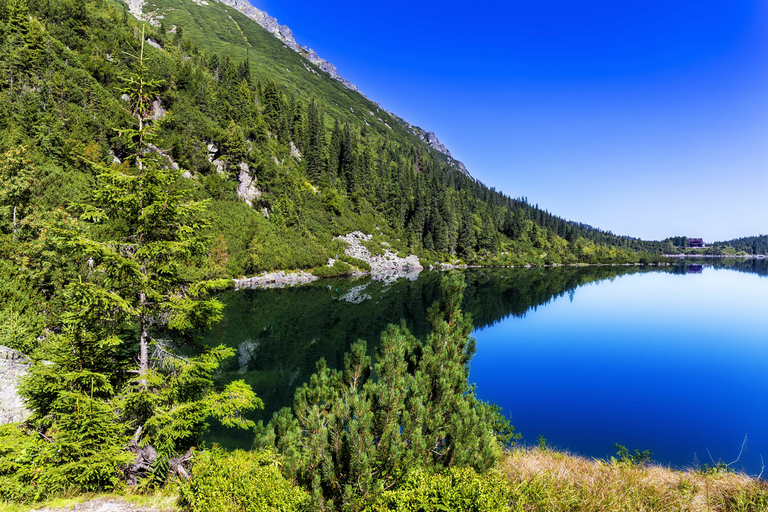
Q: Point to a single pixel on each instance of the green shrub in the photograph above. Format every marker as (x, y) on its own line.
(83, 459)
(637, 459)
(363, 265)
(239, 481)
(457, 490)
(373, 247)
(277, 247)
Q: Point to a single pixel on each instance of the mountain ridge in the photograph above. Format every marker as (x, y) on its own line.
(285, 34)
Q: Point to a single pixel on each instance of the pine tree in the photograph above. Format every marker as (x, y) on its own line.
(334, 153)
(350, 437)
(272, 108)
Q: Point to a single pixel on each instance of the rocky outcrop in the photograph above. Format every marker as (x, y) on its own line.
(136, 7)
(329, 68)
(247, 188)
(13, 366)
(383, 263)
(432, 141)
(275, 280)
(435, 143)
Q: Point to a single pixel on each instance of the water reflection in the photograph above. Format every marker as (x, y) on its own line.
(586, 372)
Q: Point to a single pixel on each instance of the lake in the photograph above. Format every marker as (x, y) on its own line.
(668, 359)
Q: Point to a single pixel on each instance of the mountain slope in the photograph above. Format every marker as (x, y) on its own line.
(250, 118)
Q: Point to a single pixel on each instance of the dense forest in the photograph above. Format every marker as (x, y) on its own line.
(745, 245)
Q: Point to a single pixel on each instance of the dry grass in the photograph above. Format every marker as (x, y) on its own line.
(547, 480)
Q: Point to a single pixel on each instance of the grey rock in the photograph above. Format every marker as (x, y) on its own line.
(295, 153)
(154, 44)
(158, 112)
(274, 280)
(435, 143)
(13, 366)
(247, 188)
(151, 148)
(380, 264)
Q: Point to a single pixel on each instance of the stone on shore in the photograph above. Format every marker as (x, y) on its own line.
(384, 263)
(275, 280)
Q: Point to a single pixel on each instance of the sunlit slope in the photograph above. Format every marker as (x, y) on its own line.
(220, 29)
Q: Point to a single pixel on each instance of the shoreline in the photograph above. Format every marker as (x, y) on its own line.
(291, 278)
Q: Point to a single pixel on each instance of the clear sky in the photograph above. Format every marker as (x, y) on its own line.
(647, 118)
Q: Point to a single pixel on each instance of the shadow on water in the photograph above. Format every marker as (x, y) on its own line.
(279, 334)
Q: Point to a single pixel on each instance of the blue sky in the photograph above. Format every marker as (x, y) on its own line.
(645, 118)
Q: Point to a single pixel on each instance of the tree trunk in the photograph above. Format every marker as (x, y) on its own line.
(143, 342)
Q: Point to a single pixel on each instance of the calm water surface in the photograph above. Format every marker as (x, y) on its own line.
(675, 364)
(670, 360)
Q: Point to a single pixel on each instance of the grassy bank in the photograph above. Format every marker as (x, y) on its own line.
(552, 481)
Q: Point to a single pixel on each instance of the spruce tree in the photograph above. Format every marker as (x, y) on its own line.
(18, 178)
(131, 303)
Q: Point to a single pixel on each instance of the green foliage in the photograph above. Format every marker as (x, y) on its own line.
(18, 176)
(339, 268)
(86, 454)
(720, 467)
(179, 397)
(455, 490)
(277, 247)
(362, 265)
(20, 303)
(351, 437)
(628, 459)
(240, 481)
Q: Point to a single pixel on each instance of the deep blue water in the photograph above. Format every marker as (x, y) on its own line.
(673, 363)
(671, 360)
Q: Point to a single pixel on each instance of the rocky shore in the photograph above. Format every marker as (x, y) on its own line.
(275, 280)
(382, 263)
(386, 266)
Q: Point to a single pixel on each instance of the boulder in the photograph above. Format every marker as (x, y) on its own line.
(13, 366)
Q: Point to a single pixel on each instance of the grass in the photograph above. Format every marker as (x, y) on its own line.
(160, 500)
(545, 480)
(552, 481)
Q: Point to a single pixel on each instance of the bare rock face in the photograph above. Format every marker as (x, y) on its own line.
(247, 188)
(13, 366)
(434, 142)
(136, 7)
